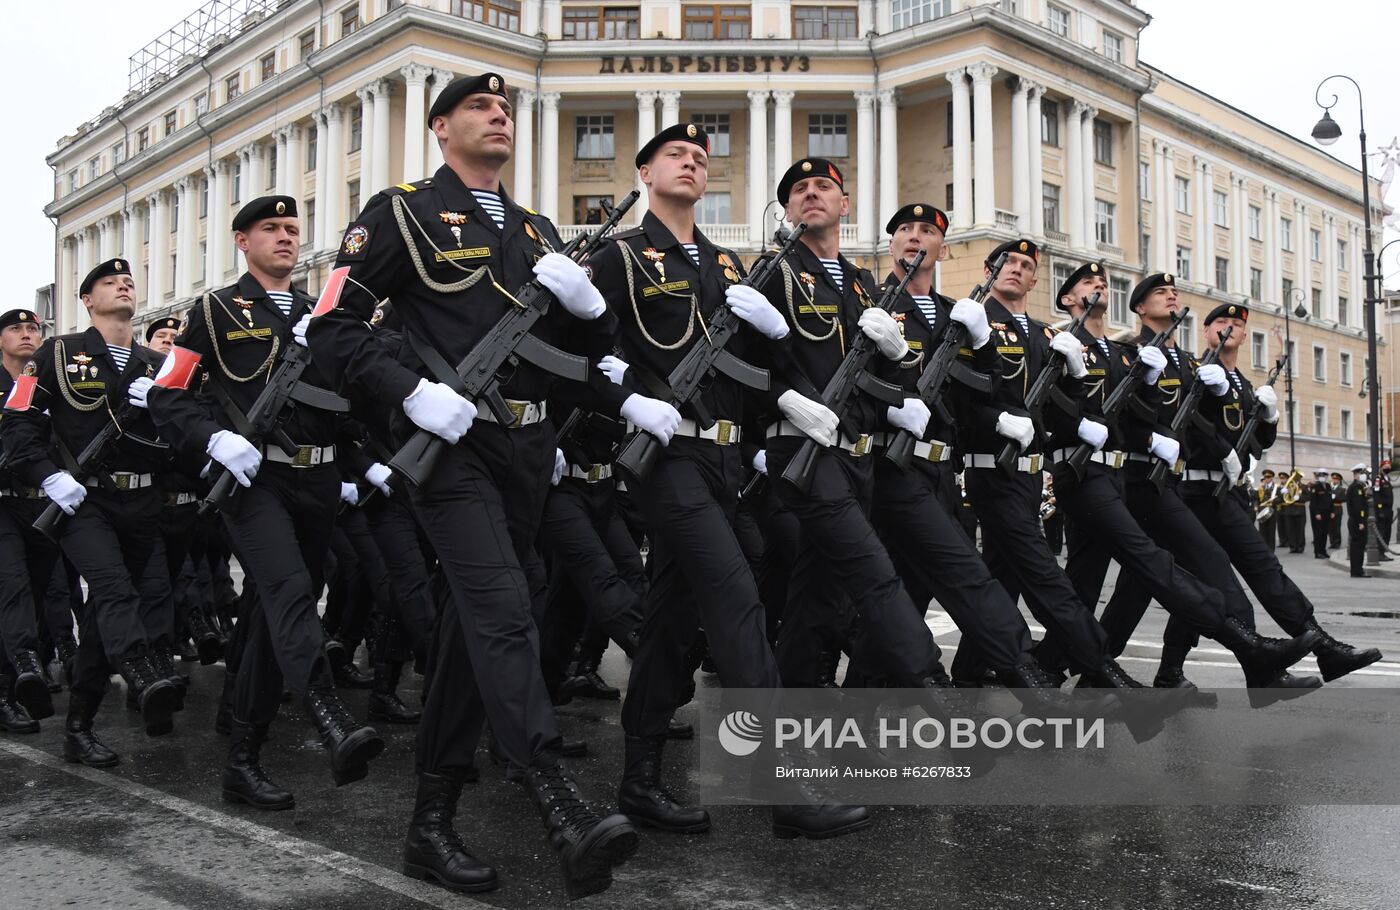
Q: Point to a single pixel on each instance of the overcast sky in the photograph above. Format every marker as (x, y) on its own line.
(68, 60)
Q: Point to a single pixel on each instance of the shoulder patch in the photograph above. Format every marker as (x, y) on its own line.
(355, 241)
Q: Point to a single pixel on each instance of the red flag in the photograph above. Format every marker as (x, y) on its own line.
(177, 370)
(22, 393)
(330, 294)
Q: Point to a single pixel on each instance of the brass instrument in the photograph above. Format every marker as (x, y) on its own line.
(1288, 493)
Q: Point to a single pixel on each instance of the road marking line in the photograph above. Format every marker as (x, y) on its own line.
(334, 860)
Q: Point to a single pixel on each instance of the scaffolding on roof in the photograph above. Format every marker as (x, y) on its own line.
(214, 24)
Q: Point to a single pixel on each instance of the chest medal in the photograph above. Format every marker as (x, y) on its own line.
(658, 260)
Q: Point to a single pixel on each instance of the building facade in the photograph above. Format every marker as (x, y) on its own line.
(1018, 117)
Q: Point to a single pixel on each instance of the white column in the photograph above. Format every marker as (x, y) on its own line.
(670, 108)
(1205, 223)
(889, 155)
(367, 139)
(65, 291)
(782, 130)
(758, 163)
(646, 130)
(984, 184)
(322, 187)
(1358, 279)
(1168, 210)
(415, 129)
(1074, 175)
(1087, 147)
(866, 228)
(73, 305)
(440, 80)
(245, 175)
(1239, 234)
(104, 239)
(279, 146)
(294, 183)
(549, 155)
(257, 169)
(211, 228)
(159, 260)
(524, 190)
(962, 150)
(131, 234)
(185, 231)
(1020, 154)
(333, 213)
(1035, 172)
(1329, 266)
(1272, 287)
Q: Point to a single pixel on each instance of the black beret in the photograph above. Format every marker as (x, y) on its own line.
(16, 317)
(919, 211)
(1148, 285)
(680, 132)
(102, 270)
(461, 87)
(1024, 247)
(1228, 311)
(169, 322)
(1087, 270)
(264, 207)
(808, 167)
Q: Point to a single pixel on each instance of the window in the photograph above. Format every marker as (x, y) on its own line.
(1285, 234)
(267, 67)
(912, 12)
(1319, 420)
(94, 167)
(143, 139)
(1288, 296)
(1050, 205)
(1344, 368)
(1222, 273)
(306, 44)
(235, 183)
(174, 212)
(1011, 7)
(948, 126)
(1317, 301)
(204, 199)
(1256, 284)
(1104, 230)
(272, 172)
(714, 209)
(1144, 181)
(717, 126)
(1342, 313)
(823, 22)
(1342, 256)
(1050, 123)
(1118, 291)
(1113, 46)
(1293, 357)
(826, 135)
(1258, 349)
(1146, 250)
(349, 20)
(1346, 423)
(203, 260)
(353, 192)
(589, 23)
(1319, 363)
(310, 155)
(1183, 263)
(1221, 205)
(1315, 238)
(231, 87)
(593, 136)
(1060, 273)
(118, 153)
(1183, 195)
(357, 129)
(1058, 20)
(170, 122)
(498, 13)
(310, 209)
(146, 228)
(201, 104)
(589, 209)
(1103, 142)
(1256, 222)
(702, 22)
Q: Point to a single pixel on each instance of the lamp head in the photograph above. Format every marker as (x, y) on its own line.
(1300, 311)
(1326, 131)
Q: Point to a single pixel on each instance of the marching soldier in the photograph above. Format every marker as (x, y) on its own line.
(279, 520)
(1356, 521)
(1320, 510)
(450, 251)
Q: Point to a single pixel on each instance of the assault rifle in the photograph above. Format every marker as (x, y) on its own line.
(1246, 441)
(1189, 409)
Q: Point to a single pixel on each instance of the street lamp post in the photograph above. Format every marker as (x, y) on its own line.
(1327, 132)
(1301, 312)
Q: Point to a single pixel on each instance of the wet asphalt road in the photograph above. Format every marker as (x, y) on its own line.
(153, 832)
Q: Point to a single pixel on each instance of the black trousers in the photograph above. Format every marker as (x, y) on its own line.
(1292, 525)
(780, 546)
(1356, 548)
(481, 512)
(1384, 519)
(1321, 528)
(699, 578)
(842, 566)
(27, 561)
(1335, 529)
(406, 557)
(1054, 528)
(280, 528)
(1008, 507)
(1268, 529)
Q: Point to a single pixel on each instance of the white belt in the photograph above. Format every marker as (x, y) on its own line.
(591, 474)
(1202, 474)
(26, 493)
(934, 450)
(304, 457)
(180, 499)
(721, 432)
(1025, 464)
(1153, 459)
(1113, 459)
(857, 447)
(124, 480)
(526, 412)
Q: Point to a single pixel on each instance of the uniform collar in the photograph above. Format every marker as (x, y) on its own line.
(457, 196)
(813, 264)
(250, 290)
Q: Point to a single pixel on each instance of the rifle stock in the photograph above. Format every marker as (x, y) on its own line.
(50, 521)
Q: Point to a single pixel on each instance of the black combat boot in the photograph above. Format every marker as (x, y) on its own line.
(244, 779)
(384, 703)
(828, 661)
(586, 683)
(13, 717)
(433, 851)
(334, 649)
(1040, 694)
(65, 649)
(163, 659)
(1171, 674)
(642, 798)
(588, 846)
(1263, 659)
(30, 689)
(679, 729)
(1334, 658)
(206, 641)
(349, 676)
(156, 697)
(349, 744)
(80, 744)
(1282, 687)
(810, 815)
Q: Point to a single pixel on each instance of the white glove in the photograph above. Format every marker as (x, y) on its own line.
(1072, 350)
(439, 410)
(349, 493)
(881, 328)
(1165, 448)
(652, 415)
(1213, 375)
(63, 490)
(912, 416)
(752, 307)
(559, 465)
(1092, 432)
(136, 392)
(974, 316)
(1268, 398)
(1014, 427)
(760, 461)
(237, 454)
(299, 330)
(811, 417)
(1232, 467)
(1156, 362)
(613, 368)
(378, 475)
(569, 284)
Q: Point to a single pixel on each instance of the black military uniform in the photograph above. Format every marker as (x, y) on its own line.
(1320, 510)
(1385, 503)
(1356, 522)
(1338, 493)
